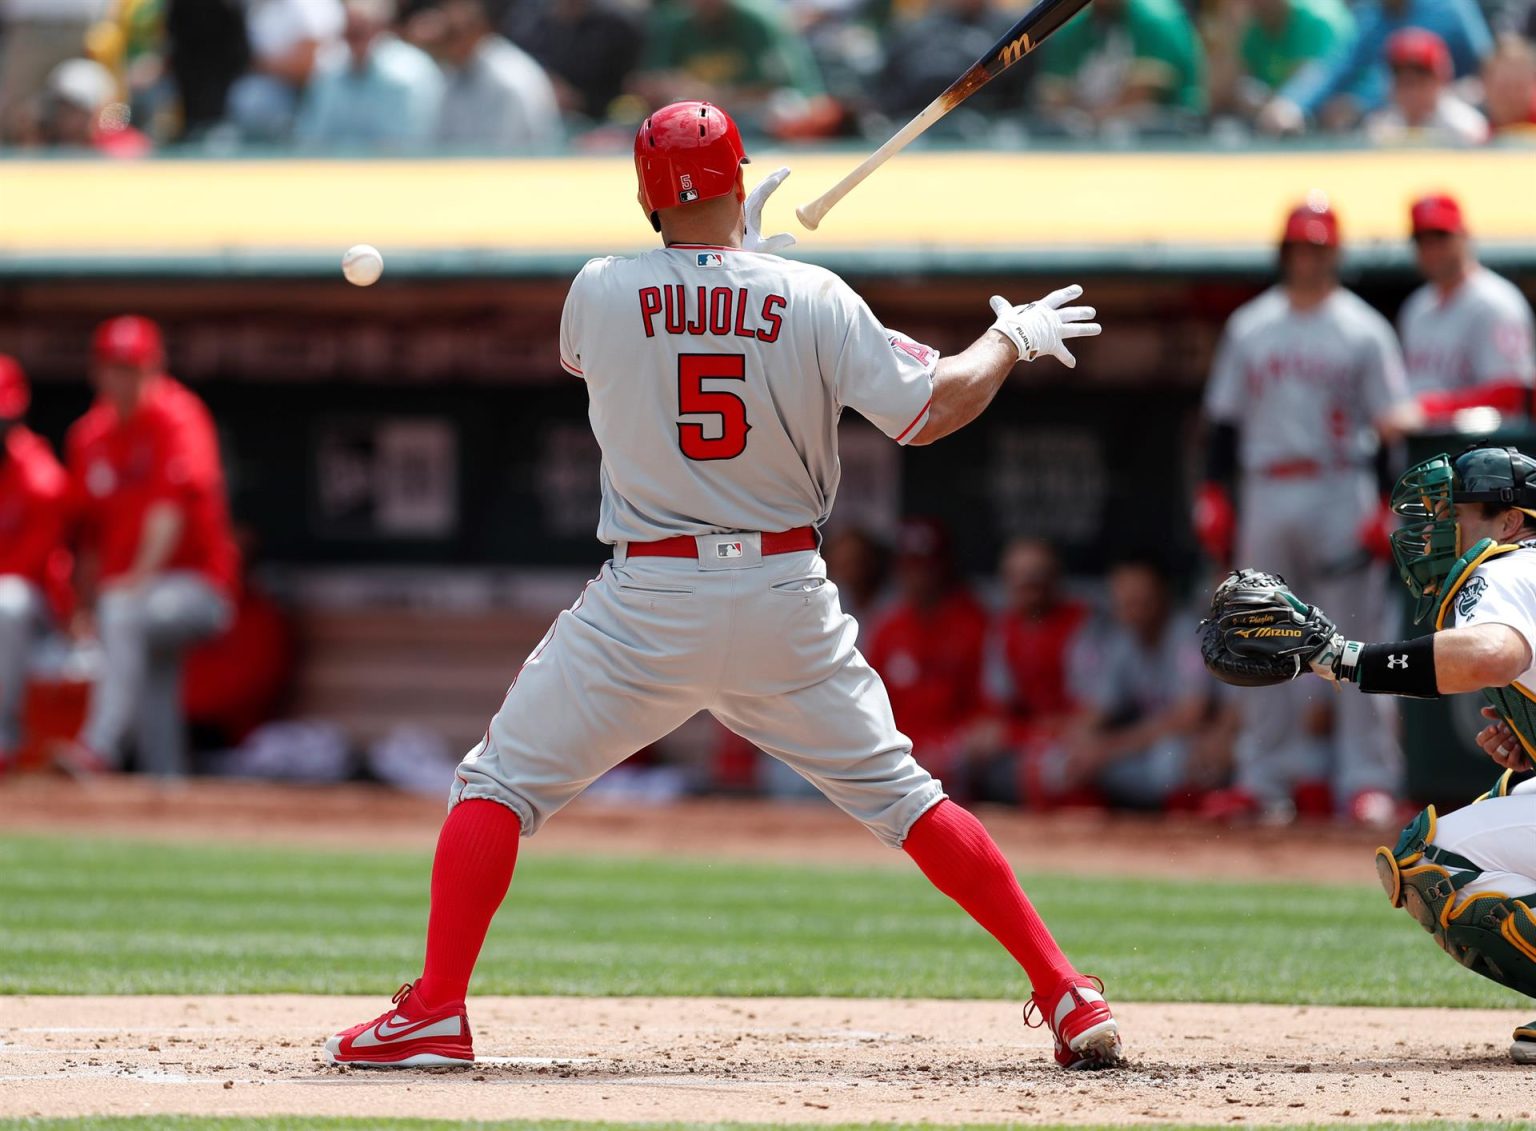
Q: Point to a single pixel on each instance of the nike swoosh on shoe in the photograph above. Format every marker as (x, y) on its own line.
(381, 1035)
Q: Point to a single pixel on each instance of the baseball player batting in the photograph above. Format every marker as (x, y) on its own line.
(716, 373)
(1467, 552)
(1305, 381)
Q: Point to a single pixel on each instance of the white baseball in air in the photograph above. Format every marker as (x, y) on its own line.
(362, 265)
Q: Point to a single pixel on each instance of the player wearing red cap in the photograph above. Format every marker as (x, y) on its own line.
(1467, 332)
(34, 514)
(156, 559)
(1424, 108)
(929, 645)
(715, 375)
(1307, 377)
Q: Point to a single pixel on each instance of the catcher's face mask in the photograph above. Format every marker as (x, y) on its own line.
(1428, 542)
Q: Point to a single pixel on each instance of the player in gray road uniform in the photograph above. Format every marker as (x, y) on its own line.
(1306, 383)
(1467, 334)
(716, 373)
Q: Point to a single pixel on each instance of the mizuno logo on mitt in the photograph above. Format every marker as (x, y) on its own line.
(1248, 633)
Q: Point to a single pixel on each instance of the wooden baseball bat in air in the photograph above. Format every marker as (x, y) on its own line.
(1018, 41)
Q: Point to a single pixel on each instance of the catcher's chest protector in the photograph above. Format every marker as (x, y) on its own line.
(1515, 704)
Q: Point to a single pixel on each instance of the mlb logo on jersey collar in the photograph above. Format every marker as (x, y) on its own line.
(711, 259)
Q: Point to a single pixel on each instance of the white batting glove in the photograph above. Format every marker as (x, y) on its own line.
(753, 239)
(1042, 327)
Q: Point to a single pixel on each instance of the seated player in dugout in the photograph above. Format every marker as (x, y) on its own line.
(1467, 553)
(156, 566)
(34, 564)
(715, 373)
(928, 644)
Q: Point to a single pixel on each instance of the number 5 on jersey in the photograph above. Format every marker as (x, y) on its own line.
(693, 399)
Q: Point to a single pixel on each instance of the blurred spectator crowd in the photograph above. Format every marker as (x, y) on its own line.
(527, 76)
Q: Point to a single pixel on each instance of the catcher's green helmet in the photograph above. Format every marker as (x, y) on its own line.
(1428, 543)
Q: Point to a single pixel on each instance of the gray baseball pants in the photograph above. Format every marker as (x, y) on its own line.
(145, 633)
(23, 618)
(760, 642)
(1307, 530)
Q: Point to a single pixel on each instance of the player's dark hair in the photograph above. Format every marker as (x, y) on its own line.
(1493, 510)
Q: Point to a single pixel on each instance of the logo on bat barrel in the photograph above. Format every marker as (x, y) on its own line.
(1013, 51)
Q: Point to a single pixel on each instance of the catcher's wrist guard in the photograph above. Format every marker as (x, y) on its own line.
(1405, 668)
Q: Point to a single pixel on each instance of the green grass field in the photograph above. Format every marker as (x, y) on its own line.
(100, 917)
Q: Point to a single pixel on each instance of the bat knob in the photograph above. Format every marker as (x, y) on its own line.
(809, 218)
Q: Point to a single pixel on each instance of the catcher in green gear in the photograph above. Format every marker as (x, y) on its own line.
(1466, 549)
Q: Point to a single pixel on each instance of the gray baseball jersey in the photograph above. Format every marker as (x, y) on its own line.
(716, 378)
(1481, 332)
(1305, 385)
(1304, 389)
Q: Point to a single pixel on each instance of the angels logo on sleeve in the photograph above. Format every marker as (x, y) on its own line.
(922, 354)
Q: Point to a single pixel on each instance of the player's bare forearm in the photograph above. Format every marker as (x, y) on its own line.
(157, 542)
(1479, 656)
(964, 385)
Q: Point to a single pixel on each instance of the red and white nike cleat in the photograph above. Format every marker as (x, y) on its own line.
(1087, 1034)
(406, 1038)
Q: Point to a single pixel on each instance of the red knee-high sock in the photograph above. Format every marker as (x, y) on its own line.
(476, 852)
(962, 860)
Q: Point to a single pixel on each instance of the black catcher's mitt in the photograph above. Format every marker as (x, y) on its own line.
(1260, 633)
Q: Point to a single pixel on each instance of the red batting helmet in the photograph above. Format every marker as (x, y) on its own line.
(14, 394)
(128, 340)
(685, 152)
(1314, 223)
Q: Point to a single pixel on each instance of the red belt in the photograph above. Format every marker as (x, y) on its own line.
(1301, 469)
(685, 546)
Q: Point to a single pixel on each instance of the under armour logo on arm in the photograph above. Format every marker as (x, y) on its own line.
(1398, 661)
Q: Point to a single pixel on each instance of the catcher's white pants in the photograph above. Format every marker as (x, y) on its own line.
(765, 648)
(1307, 530)
(1499, 836)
